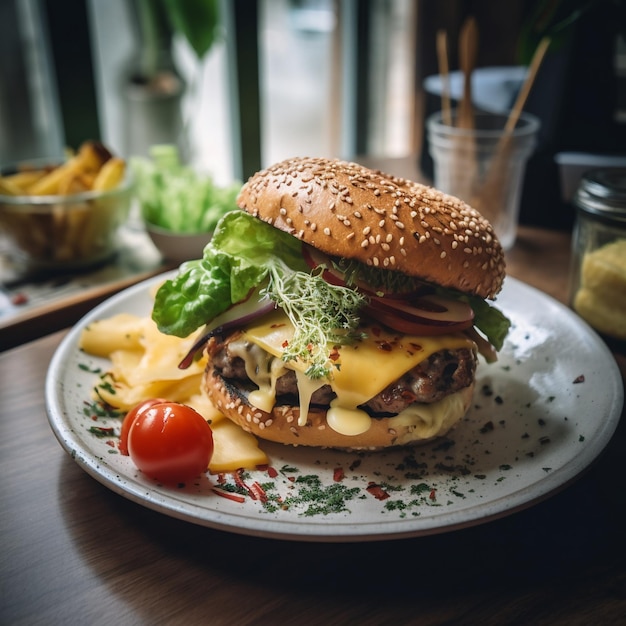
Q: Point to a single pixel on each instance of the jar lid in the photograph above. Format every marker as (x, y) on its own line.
(603, 193)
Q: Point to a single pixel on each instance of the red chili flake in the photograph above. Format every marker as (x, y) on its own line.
(235, 497)
(579, 379)
(291, 478)
(239, 482)
(258, 491)
(334, 354)
(338, 474)
(221, 479)
(433, 494)
(377, 491)
(110, 443)
(272, 472)
(285, 344)
(385, 346)
(19, 299)
(309, 347)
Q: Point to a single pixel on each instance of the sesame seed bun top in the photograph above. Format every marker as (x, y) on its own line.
(350, 211)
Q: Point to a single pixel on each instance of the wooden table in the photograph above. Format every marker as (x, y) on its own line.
(74, 552)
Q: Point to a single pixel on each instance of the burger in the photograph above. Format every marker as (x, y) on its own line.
(341, 307)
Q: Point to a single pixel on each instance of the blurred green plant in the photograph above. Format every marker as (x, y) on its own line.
(197, 21)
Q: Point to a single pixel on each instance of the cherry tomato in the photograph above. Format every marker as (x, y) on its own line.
(170, 442)
(128, 420)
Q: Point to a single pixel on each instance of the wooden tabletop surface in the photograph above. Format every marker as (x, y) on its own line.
(74, 552)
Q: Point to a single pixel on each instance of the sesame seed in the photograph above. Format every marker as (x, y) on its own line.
(327, 231)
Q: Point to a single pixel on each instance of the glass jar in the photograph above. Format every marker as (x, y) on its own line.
(598, 275)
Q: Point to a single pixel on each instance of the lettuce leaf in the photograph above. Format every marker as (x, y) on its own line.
(490, 321)
(176, 197)
(237, 259)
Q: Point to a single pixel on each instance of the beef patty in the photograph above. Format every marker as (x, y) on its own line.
(443, 373)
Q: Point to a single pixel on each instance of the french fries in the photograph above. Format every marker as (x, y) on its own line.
(144, 365)
(54, 227)
(110, 174)
(93, 167)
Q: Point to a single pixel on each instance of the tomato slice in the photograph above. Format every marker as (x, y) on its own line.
(130, 417)
(314, 258)
(170, 442)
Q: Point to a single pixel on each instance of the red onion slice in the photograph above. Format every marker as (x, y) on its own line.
(430, 309)
(238, 315)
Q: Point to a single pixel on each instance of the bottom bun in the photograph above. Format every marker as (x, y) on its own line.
(281, 425)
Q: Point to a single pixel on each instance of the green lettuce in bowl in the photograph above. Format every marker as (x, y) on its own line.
(174, 197)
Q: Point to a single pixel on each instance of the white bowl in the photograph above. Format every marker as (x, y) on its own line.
(178, 247)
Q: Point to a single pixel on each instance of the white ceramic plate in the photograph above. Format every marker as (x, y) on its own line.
(541, 415)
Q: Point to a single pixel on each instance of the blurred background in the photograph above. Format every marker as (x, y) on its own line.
(337, 78)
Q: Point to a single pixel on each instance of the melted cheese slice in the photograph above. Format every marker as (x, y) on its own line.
(361, 371)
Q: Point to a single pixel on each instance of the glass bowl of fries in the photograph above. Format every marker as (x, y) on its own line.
(64, 216)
